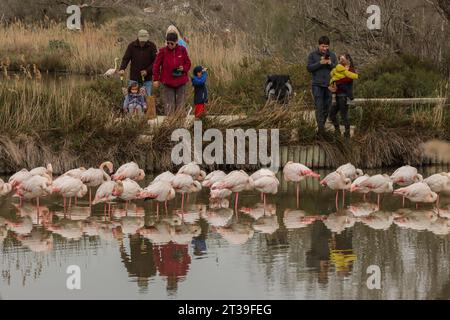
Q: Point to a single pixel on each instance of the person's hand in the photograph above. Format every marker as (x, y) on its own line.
(180, 68)
(347, 67)
(121, 72)
(144, 73)
(156, 84)
(332, 88)
(324, 61)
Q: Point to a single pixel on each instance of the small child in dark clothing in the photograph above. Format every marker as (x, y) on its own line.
(200, 90)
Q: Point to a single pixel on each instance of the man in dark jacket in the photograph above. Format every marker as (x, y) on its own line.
(142, 53)
(320, 64)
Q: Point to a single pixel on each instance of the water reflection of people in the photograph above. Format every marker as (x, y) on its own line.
(328, 249)
(172, 261)
(139, 262)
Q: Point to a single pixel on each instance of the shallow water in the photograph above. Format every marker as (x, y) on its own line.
(314, 252)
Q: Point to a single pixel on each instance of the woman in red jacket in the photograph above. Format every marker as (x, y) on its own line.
(171, 68)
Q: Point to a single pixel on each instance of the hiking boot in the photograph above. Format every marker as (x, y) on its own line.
(337, 130)
(347, 134)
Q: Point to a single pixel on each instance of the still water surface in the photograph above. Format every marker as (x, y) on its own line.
(310, 252)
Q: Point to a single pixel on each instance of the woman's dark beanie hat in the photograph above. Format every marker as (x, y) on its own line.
(172, 37)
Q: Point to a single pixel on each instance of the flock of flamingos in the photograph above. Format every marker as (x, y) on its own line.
(123, 184)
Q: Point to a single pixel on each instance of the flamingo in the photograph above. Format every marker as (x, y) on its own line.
(296, 172)
(184, 183)
(356, 186)
(43, 171)
(19, 177)
(75, 173)
(131, 191)
(438, 183)
(217, 196)
(70, 187)
(161, 191)
(5, 188)
(213, 177)
(350, 171)
(108, 191)
(260, 174)
(405, 176)
(129, 170)
(236, 182)
(165, 176)
(34, 188)
(267, 184)
(418, 192)
(378, 184)
(94, 177)
(193, 170)
(336, 181)
(112, 71)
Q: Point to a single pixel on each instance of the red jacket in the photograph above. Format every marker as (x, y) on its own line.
(167, 61)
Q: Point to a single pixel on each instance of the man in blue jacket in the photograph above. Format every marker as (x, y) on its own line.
(320, 64)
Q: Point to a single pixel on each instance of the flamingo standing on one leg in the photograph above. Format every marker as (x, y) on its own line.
(93, 177)
(405, 176)
(296, 172)
(380, 183)
(265, 185)
(34, 188)
(185, 184)
(260, 174)
(438, 183)
(161, 191)
(236, 181)
(336, 181)
(108, 191)
(418, 192)
(131, 191)
(356, 186)
(70, 187)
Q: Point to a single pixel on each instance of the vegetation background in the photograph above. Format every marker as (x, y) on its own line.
(241, 42)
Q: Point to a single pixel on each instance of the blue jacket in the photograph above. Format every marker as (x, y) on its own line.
(200, 89)
(320, 72)
(136, 99)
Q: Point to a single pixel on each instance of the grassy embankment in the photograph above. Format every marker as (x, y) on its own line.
(72, 126)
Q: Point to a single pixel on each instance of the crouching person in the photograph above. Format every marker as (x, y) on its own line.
(134, 101)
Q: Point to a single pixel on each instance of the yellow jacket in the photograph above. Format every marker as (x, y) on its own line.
(340, 72)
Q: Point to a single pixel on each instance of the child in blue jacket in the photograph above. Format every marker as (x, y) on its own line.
(200, 90)
(134, 101)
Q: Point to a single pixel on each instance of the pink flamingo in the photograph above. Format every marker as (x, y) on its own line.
(418, 192)
(185, 184)
(236, 182)
(161, 191)
(193, 170)
(108, 191)
(265, 185)
(131, 191)
(350, 171)
(94, 177)
(356, 186)
(129, 170)
(405, 176)
(378, 184)
(213, 177)
(296, 172)
(34, 188)
(70, 187)
(438, 183)
(336, 181)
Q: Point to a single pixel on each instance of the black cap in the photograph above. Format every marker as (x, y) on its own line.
(172, 37)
